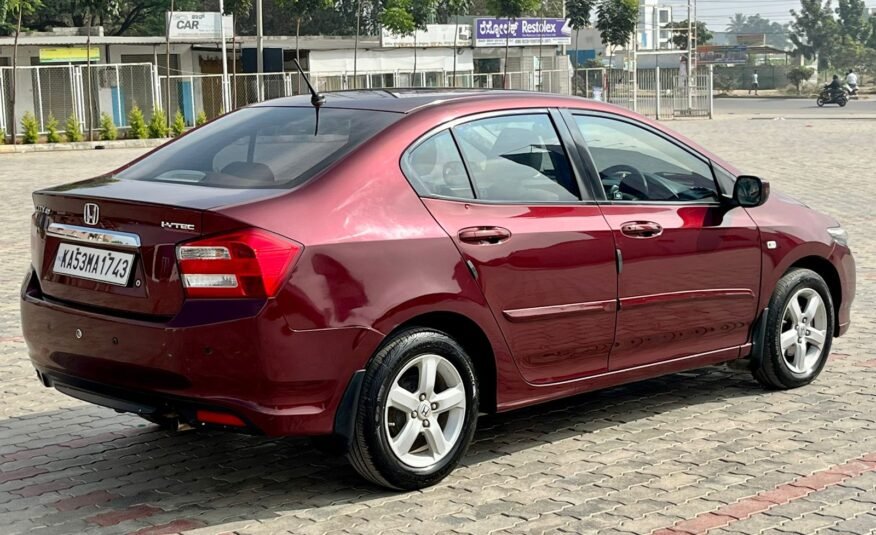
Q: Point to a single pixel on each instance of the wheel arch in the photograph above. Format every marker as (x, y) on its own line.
(472, 338)
(828, 272)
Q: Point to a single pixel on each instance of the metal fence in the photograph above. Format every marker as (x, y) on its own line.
(657, 93)
(84, 92)
(87, 92)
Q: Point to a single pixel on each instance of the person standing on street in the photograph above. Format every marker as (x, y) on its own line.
(754, 84)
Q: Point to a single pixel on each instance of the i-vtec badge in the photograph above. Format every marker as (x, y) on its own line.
(177, 226)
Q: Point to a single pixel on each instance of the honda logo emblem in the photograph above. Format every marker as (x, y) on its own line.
(91, 213)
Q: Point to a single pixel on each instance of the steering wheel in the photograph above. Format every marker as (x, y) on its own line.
(626, 171)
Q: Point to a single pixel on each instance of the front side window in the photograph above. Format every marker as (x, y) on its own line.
(635, 164)
(517, 158)
(262, 147)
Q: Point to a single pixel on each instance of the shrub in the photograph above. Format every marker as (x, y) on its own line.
(137, 123)
(798, 75)
(30, 129)
(52, 127)
(108, 130)
(179, 124)
(2, 136)
(158, 124)
(201, 118)
(73, 130)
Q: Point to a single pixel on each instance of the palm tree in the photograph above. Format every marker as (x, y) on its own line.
(738, 22)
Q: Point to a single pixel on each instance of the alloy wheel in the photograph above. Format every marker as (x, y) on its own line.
(804, 330)
(424, 412)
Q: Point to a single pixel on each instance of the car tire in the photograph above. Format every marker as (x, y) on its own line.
(417, 411)
(798, 333)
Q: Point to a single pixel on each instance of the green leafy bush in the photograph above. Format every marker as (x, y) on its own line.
(201, 118)
(52, 127)
(2, 136)
(158, 124)
(137, 123)
(179, 124)
(30, 128)
(798, 75)
(108, 130)
(73, 130)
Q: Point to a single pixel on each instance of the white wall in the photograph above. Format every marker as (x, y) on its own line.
(389, 60)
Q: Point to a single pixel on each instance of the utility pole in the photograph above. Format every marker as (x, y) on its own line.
(226, 86)
(356, 45)
(166, 67)
(260, 44)
(689, 81)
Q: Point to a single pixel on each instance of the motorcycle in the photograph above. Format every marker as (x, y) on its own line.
(851, 90)
(841, 98)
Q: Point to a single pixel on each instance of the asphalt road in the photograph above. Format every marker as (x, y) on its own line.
(780, 107)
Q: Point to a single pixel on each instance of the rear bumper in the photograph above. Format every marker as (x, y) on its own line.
(232, 356)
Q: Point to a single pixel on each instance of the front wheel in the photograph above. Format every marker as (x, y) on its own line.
(820, 101)
(799, 331)
(417, 411)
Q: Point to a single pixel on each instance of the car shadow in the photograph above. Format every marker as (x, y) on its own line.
(215, 478)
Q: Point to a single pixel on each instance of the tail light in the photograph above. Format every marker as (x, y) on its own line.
(245, 263)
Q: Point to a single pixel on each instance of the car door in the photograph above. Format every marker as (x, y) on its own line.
(503, 187)
(690, 269)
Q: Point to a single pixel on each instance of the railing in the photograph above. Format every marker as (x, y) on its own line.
(63, 91)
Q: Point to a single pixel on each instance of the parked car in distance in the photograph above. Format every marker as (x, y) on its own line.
(377, 268)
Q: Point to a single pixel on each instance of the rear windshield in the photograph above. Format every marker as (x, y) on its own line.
(260, 147)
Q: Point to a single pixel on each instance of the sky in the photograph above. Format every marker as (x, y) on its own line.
(716, 13)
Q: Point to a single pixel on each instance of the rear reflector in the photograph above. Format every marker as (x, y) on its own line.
(246, 263)
(219, 418)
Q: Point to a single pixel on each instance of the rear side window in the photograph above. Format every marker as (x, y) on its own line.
(517, 158)
(435, 168)
(262, 147)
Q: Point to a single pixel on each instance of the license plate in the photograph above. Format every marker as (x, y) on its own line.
(100, 265)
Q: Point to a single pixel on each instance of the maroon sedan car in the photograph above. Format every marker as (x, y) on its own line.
(380, 267)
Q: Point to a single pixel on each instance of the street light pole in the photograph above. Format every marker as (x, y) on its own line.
(689, 56)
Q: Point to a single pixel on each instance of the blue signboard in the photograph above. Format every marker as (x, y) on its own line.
(521, 32)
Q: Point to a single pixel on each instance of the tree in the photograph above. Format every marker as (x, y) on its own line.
(422, 11)
(853, 23)
(702, 35)
(800, 74)
(510, 10)
(815, 33)
(398, 19)
(19, 7)
(578, 12)
(616, 22)
(737, 23)
(301, 9)
(454, 8)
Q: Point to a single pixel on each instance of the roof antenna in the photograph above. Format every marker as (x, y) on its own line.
(316, 99)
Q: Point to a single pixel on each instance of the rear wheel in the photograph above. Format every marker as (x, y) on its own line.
(417, 411)
(799, 331)
(842, 102)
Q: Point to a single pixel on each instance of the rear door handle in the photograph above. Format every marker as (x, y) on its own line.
(641, 229)
(484, 235)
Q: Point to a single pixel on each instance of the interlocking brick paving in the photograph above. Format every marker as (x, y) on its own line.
(633, 459)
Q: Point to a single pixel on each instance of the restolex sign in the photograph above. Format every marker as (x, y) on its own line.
(521, 32)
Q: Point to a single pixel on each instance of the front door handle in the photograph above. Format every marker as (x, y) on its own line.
(484, 235)
(641, 229)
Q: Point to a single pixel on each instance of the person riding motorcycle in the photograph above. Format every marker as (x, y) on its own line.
(852, 81)
(834, 88)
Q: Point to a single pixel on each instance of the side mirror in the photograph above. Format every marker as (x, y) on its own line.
(750, 191)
